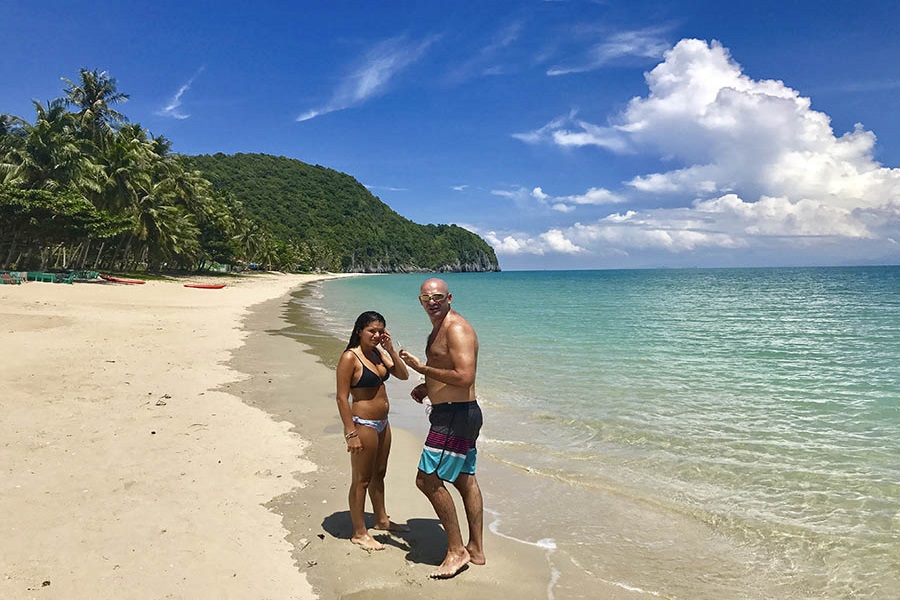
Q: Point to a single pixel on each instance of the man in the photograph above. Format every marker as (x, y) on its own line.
(449, 454)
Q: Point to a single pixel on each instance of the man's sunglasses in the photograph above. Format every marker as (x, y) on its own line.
(435, 297)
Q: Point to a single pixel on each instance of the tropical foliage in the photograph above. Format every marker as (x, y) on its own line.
(334, 222)
(82, 188)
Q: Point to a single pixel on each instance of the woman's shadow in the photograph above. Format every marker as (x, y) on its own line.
(425, 542)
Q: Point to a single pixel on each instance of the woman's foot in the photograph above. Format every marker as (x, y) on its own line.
(367, 542)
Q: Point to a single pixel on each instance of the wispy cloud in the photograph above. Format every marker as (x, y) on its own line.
(385, 188)
(571, 131)
(373, 76)
(488, 60)
(172, 108)
(866, 86)
(643, 43)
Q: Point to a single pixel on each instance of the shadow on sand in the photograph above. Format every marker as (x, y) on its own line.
(425, 542)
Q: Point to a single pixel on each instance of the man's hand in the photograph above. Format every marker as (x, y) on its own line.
(419, 393)
(412, 362)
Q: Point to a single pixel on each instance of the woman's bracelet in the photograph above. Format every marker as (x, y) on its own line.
(352, 434)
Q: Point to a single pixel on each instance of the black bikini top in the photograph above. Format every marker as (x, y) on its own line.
(369, 378)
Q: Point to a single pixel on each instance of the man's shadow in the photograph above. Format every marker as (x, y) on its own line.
(425, 542)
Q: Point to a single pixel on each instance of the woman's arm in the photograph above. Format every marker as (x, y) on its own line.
(345, 368)
(392, 360)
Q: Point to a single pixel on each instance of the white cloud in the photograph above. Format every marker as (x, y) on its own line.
(565, 204)
(512, 194)
(385, 187)
(511, 244)
(558, 242)
(373, 76)
(573, 132)
(754, 166)
(172, 108)
(593, 196)
(644, 43)
(553, 241)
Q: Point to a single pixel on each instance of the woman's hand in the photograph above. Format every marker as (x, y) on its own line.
(386, 342)
(419, 393)
(354, 444)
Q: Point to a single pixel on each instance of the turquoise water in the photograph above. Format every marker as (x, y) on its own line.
(741, 426)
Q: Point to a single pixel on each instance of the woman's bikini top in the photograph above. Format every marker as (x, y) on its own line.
(369, 378)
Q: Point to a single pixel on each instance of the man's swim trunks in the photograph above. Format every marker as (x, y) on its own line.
(450, 446)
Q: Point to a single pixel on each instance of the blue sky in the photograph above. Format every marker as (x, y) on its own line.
(569, 134)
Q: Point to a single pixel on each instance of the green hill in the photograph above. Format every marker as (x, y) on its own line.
(338, 223)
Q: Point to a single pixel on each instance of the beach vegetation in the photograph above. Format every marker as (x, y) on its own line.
(81, 187)
(328, 220)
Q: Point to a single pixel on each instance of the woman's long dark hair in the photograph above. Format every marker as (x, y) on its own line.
(370, 316)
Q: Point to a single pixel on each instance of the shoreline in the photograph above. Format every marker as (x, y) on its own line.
(595, 540)
(163, 441)
(515, 566)
(287, 378)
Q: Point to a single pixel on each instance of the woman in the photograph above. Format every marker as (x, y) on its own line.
(370, 358)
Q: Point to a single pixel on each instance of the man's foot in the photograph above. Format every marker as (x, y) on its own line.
(393, 527)
(453, 565)
(476, 557)
(367, 542)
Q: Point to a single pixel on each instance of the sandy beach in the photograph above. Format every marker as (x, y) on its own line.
(168, 442)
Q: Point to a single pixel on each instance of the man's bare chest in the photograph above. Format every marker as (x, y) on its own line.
(437, 350)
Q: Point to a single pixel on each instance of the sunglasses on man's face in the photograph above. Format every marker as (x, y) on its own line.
(429, 297)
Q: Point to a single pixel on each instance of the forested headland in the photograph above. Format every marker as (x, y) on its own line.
(83, 188)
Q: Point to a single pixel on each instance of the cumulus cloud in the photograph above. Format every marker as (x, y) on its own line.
(373, 76)
(753, 165)
(553, 241)
(594, 196)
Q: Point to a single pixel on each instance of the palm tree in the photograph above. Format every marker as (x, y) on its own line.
(94, 96)
(12, 135)
(52, 156)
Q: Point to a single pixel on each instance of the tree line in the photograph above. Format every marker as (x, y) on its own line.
(336, 221)
(83, 188)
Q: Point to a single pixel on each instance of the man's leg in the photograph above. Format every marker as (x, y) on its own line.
(457, 556)
(474, 504)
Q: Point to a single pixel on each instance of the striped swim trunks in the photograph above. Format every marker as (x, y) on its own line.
(450, 445)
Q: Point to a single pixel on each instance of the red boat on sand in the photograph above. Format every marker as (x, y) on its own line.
(205, 286)
(122, 280)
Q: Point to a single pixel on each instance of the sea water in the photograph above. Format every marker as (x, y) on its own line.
(703, 433)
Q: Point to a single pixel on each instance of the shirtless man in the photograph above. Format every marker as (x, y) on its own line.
(449, 453)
